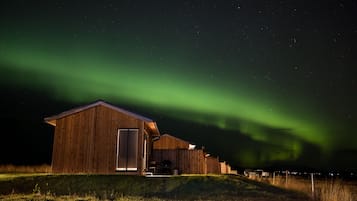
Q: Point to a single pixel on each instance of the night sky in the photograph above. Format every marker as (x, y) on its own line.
(258, 83)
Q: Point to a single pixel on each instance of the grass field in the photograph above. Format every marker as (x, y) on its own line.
(324, 189)
(119, 187)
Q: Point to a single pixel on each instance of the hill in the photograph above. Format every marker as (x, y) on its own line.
(119, 187)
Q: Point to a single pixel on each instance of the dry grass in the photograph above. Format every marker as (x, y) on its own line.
(324, 190)
(334, 191)
(122, 187)
(25, 168)
(35, 197)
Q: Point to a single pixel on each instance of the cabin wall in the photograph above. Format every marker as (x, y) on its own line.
(213, 165)
(85, 142)
(223, 168)
(108, 123)
(73, 145)
(229, 169)
(184, 160)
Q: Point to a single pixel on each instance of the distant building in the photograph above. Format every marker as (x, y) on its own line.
(254, 174)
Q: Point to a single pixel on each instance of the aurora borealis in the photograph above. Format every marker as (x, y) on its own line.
(271, 82)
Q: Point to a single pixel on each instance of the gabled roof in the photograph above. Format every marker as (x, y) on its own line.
(52, 119)
(175, 138)
(189, 145)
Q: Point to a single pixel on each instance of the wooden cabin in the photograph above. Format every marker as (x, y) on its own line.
(213, 165)
(225, 168)
(184, 157)
(181, 155)
(101, 138)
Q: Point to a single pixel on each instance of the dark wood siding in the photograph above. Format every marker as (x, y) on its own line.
(223, 167)
(86, 141)
(213, 165)
(109, 122)
(73, 143)
(184, 160)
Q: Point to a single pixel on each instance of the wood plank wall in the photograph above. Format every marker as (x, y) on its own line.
(229, 169)
(85, 142)
(213, 165)
(68, 154)
(186, 161)
(223, 167)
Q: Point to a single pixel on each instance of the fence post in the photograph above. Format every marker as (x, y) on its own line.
(312, 185)
(273, 177)
(286, 178)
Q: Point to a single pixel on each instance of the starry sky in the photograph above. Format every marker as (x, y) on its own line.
(258, 83)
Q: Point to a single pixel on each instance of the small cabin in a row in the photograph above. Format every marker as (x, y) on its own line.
(102, 138)
(184, 157)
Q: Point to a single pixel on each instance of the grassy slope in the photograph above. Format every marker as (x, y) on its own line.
(174, 188)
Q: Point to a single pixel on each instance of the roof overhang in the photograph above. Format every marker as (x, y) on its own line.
(151, 125)
(51, 121)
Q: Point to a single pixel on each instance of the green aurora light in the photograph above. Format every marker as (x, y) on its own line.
(84, 75)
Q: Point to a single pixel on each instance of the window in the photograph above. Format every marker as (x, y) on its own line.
(127, 150)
